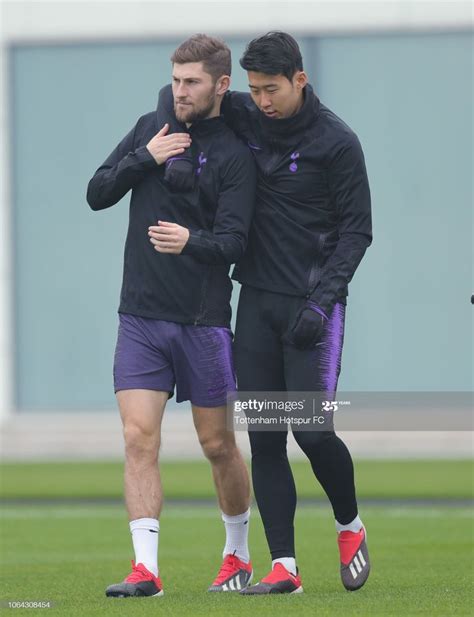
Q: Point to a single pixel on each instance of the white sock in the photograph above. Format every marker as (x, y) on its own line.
(354, 526)
(288, 562)
(236, 535)
(145, 533)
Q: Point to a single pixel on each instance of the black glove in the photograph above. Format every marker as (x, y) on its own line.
(309, 326)
(179, 173)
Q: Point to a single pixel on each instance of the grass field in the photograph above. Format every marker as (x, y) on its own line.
(68, 553)
(192, 480)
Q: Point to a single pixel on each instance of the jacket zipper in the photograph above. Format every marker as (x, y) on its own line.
(315, 271)
(205, 285)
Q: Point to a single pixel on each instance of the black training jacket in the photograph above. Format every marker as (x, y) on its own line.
(312, 221)
(193, 287)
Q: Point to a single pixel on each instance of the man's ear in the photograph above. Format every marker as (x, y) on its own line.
(222, 85)
(300, 79)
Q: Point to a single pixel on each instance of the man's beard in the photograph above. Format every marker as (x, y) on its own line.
(192, 113)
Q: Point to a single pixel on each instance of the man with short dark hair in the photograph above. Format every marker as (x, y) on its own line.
(311, 228)
(175, 301)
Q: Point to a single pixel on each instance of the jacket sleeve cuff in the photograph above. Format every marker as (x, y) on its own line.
(192, 245)
(317, 309)
(324, 303)
(143, 158)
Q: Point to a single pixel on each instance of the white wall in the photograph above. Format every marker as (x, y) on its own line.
(72, 19)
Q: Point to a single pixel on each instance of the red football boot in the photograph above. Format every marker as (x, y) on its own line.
(234, 575)
(278, 581)
(141, 582)
(355, 563)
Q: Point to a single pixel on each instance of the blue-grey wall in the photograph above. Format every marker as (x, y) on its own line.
(409, 98)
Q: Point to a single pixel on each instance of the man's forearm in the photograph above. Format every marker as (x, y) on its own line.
(223, 249)
(110, 183)
(339, 270)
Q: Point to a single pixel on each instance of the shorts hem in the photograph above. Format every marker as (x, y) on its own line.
(142, 386)
(209, 404)
(199, 402)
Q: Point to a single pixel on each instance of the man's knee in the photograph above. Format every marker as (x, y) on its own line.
(312, 441)
(268, 443)
(140, 441)
(219, 446)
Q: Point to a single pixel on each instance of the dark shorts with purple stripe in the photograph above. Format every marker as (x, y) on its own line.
(152, 354)
(264, 358)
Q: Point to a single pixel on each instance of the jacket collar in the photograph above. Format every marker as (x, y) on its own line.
(203, 127)
(208, 126)
(287, 131)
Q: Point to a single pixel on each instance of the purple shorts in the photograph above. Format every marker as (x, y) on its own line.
(152, 354)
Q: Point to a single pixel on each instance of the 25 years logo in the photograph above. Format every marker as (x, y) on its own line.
(329, 405)
(333, 405)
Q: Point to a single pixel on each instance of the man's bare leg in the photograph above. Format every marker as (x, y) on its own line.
(230, 473)
(233, 493)
(142, 412)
